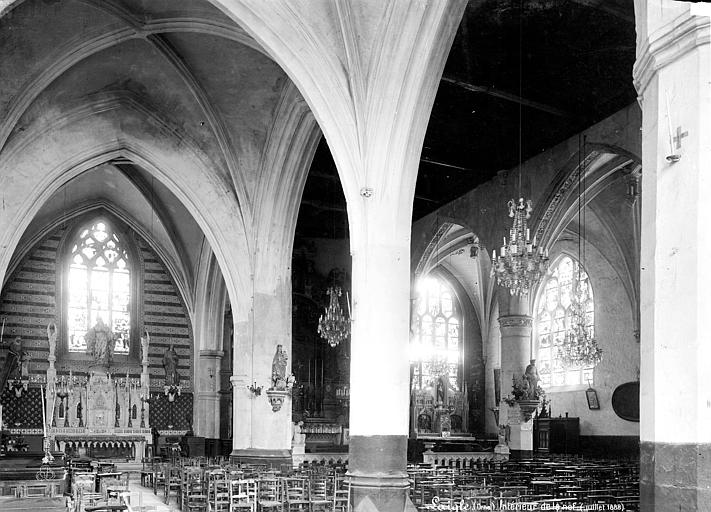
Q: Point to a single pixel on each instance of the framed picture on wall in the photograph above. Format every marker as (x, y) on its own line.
(593, 402)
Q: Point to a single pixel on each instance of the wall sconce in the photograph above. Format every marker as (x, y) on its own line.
(171, 391)
(18, 386)
(254, 389)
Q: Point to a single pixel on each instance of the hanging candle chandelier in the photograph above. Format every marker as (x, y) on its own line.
(522, 262)
(333, 325)
(579, 348)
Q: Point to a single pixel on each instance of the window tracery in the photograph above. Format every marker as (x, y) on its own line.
(555, 317)
(99, 285)
(436, 342)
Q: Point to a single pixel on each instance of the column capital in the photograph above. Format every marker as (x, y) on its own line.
(515, 321)
(667, 44)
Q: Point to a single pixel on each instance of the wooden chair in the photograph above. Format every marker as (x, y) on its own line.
(243, 495)
(319, 498)
(271, 496)
(218, 492)
(173, 483)
(341, 494)
(83, 491)
(296, 494)
(159, 472)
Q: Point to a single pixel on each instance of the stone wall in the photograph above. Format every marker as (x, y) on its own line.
(29, 301)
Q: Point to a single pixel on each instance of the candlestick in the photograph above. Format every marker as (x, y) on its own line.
(44, 413)
(54, 403)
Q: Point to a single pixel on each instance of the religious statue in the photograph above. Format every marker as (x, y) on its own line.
(279, 368)
(79, 413)
(170, 364)
(100, 342)
(145, 342)
(440, 391)
(52, 338)
(531, 379)
(504, 434)
(298, 437)
(14, 360)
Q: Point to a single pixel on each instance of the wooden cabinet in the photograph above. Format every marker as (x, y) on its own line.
(556, 435)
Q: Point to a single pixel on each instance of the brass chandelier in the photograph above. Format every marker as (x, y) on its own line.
(579, 348)
(333, 325)
(522, 262)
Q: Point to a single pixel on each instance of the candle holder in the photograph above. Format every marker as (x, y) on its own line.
(64, 388)
(172, 391)
(254, 389)
(18, 386)
(145, 399)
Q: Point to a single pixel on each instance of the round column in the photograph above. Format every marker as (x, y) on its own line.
(515, 356)
(379, 377)
(207, 423)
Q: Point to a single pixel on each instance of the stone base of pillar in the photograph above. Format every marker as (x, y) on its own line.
(298, 454)
(521, 454)
(381, 499)
(272, 458)
(502, 449)
(675, 476)
(378, 474)
(521, 432)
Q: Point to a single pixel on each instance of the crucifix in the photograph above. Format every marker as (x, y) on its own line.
(679, 135)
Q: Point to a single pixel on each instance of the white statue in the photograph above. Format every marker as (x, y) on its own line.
(145, 342)
(52, 338)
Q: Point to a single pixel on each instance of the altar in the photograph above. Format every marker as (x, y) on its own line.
(439, 410)
(116, 426)
(100, 415)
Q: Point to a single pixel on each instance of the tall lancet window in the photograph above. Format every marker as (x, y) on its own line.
(555, 318)
(435, 348)
(99, 285)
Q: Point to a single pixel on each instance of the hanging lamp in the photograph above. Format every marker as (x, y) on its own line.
(333, 325)
(521, 262)
(579, 348)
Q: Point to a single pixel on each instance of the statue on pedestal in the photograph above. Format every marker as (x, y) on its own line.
(100, 342)
(52, 338)
(15, 362)
(279, 368)
(530, 381)
(281, 387)
(145, 342)
(170, 365)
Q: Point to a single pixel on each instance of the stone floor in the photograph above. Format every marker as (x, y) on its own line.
(143, 499)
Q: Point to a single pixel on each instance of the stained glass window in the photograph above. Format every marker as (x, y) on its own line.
(555, 318)
(99, 285)
(436, 343)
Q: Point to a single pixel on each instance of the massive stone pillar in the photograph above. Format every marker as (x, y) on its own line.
(208, 396)
(672, 76)
(380, 375)
(262, 424)
(515, 356)
(369, 70)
